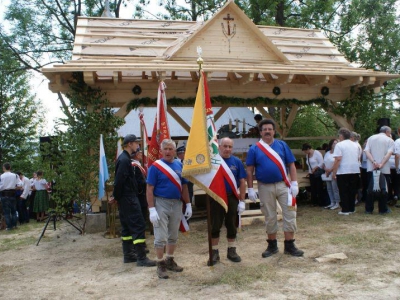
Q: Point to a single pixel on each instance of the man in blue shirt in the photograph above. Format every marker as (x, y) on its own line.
(235, 205)
(273, 185)
(165, 188)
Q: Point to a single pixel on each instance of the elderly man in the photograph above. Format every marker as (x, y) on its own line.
(379, 148)
(9, 183)
(346, 171)
(269, 158)
(130, 213)
(235, 203)
(165, 188)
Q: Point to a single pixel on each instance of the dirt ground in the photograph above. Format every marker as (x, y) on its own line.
(66, 264)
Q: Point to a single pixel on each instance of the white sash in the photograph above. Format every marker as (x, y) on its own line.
(171, 174)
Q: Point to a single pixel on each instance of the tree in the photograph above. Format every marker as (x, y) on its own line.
(20, 114)
(72, 160)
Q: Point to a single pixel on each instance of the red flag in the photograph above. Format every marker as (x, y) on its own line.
(161, 128)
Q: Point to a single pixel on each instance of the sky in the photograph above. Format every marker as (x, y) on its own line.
(39, 82)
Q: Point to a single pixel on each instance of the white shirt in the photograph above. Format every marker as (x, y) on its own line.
(26, 184)
(329, 160)
(350, 153)
(315, 160)
(379, 145)
(9, 181)
(40, 184)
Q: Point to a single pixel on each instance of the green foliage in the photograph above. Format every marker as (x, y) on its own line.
(191, 11)
(20, 114)
(74, 156)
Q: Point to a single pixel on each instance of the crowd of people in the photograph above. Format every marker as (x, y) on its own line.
(22, 198)
(353, 173)
(162, 196)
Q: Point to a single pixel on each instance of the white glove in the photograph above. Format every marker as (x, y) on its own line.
(241, 207)
(252, 194)
(154, 216)
(188, 211)
(294, 188)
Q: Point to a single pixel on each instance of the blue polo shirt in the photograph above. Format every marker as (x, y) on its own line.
(163, 186)
(237, 168)
(266, 170)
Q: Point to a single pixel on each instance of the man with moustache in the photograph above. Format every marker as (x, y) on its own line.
(165, 188)
(270, 158)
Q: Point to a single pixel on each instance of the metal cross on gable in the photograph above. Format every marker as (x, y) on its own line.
(228, 33)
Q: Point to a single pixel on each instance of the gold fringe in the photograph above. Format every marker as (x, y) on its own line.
(203, 170)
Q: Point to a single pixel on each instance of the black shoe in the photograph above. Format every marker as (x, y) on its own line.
(290, 248)
(129, 252)
(386, 212)
(215, 257)
(271, 249)
(142, 259)
(232, 255)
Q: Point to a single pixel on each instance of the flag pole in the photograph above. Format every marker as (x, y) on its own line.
(211, 263)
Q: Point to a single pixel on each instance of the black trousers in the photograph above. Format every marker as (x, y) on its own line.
(382, 197)
(364, 184)
(348, 186)
(218, 216)
(317, 190)
(132, 221)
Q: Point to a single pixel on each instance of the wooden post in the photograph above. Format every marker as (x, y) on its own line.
(208, 199)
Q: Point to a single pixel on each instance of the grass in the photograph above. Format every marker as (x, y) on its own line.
(15, 243)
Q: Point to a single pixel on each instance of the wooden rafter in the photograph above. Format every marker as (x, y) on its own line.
(246, 78)
(265, 114)
(318, 80)
(284, 79)
(220, 112)
(352, 81)
(178, 119)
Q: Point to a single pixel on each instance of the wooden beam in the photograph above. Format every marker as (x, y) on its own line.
(232, 77)
(220, 112)
(256, 77)
(154, 76)
(89, 77)
(283, 120)
(352, 81)
(117, 77)
(318, 80)
(194, 76)
(59, 80)
(368, 80)
(178, 119)
(122, 113)
(162, 75)
(144, 76)
(268, 116)
(284, 79)
(268, 77)
(246, 78)
(173, 76)
(289, 120)
(340, 121)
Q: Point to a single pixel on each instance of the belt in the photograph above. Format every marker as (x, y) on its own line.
(162, 198)
(8, 193)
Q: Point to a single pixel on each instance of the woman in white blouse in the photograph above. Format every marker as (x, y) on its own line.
(331, 185)
(315, 163)
(41, 202)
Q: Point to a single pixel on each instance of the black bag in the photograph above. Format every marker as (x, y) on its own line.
(318, 172)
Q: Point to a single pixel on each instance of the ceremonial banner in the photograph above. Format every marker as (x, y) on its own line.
(145, 142)
(203, 164)
(161, 128)
(103, 169)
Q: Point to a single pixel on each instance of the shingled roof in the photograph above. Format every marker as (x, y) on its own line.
(241, 59)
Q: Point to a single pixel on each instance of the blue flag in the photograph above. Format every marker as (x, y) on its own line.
(103, 169)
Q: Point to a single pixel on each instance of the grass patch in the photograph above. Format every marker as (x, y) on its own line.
(358, 240)
(16, 243)
(349, 277)
(242, 277)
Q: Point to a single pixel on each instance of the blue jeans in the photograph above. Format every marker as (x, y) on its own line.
(10, 211)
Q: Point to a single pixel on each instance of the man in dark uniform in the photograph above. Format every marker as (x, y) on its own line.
(130, 214)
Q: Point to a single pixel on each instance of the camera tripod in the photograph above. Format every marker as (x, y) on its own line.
(54, 216)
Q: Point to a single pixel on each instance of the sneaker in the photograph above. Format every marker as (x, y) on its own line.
(336, 206)
(329, 206)
(343, 213)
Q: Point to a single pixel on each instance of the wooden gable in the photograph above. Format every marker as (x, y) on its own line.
(230, 35)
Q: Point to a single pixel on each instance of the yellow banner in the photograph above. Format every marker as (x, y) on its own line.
(197, 155)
